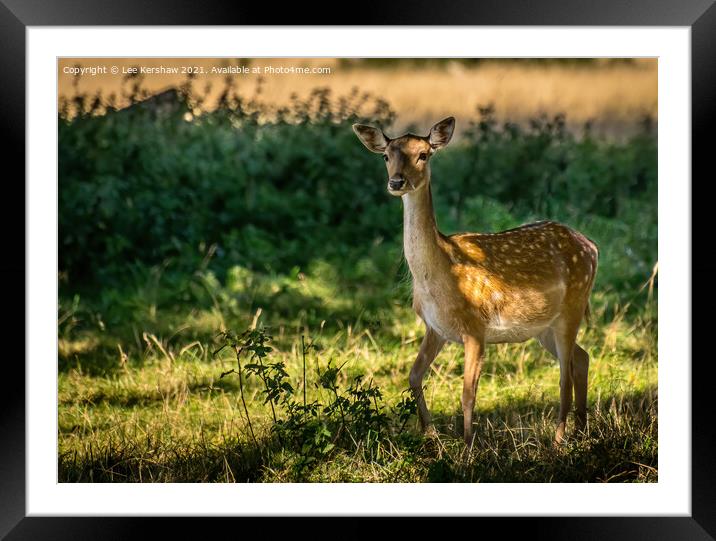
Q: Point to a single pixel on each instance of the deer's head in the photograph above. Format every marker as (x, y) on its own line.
(407, 158)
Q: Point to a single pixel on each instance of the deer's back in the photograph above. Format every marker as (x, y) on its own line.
(513, 284)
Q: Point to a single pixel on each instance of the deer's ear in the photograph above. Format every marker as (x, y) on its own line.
(441, 133)
(373, 139)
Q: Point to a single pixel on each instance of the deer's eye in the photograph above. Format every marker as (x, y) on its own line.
(422, 157)
(385, 157)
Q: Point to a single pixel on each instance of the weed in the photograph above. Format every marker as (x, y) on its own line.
(352, 419)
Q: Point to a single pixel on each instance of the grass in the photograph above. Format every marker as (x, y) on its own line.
(145, 401)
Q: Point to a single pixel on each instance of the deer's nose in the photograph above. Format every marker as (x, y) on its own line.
(396, 183)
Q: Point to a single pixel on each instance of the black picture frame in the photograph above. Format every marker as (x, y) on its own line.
(17, 15)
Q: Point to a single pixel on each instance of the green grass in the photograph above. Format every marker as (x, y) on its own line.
(142, 399)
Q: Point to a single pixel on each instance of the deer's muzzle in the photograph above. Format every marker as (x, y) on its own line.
(396, 183)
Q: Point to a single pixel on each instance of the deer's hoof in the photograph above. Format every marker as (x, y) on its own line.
(559, 434)
(469, 439)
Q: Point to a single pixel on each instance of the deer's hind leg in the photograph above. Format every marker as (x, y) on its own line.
(429, 349)
(474, 355)
(560, 341)
(580, 373)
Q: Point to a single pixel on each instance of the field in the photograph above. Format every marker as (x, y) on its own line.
(191, 237)
(611, 94)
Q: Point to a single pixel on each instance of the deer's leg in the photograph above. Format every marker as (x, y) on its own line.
(579, 369)
(548, 341)
(564, 335)
(430, 347)
(474, 353)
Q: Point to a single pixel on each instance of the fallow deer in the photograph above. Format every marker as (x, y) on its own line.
(533, 281)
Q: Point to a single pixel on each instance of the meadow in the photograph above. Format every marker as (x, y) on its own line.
(234, 305)
(609, 93)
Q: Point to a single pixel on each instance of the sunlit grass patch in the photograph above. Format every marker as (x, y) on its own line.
(171, 417)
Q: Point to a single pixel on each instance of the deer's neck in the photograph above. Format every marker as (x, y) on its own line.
(420, 234)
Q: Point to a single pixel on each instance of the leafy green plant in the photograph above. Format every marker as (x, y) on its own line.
(352, 418)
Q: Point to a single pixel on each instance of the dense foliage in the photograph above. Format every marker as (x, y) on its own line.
(151, 184)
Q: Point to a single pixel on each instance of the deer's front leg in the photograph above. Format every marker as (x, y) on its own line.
(474, 354)
(430, 347)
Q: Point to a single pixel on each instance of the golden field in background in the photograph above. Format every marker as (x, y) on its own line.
(614, 96)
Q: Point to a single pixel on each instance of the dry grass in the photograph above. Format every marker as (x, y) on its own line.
(614, 96)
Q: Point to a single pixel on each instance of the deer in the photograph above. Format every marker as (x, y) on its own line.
(474, 289)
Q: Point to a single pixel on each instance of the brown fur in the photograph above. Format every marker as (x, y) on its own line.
(480, 288)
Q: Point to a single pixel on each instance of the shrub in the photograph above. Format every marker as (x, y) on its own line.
(271, 190)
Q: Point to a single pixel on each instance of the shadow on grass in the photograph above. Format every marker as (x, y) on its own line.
(511, 444)
(514, 443)
(136, 398)
(118, 462)
(96, 352)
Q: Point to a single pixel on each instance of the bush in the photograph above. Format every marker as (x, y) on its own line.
(138, 186)
(270, 190)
